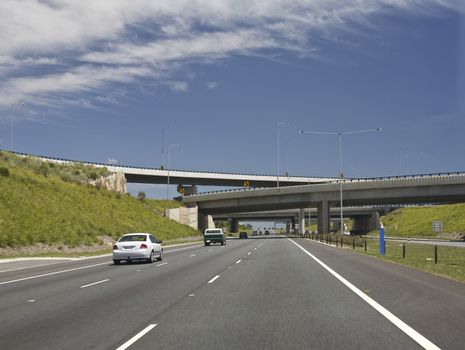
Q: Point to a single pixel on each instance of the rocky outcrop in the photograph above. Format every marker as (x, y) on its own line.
(114, 182)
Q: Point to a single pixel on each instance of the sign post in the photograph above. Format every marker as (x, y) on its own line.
(381, 239)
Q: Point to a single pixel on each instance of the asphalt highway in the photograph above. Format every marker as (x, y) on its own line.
(250, 294)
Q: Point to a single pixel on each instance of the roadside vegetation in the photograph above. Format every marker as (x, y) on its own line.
(450, 261)
(417, 222)
(43, 203)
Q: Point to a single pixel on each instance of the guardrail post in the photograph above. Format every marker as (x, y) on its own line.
(353, 243)
(365, 245)
(342, 242)
(330, 240)
(403, 250)
(435, 254)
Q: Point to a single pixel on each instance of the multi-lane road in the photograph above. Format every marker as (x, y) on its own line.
(250, 294)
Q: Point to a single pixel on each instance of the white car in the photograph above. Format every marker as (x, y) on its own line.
(137, 246)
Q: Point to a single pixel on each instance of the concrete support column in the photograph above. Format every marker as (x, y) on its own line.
(288, 227)
(375, 222)
(324, 217)
(202, 222)
(233, 225)
(302, 221)
(293, 225)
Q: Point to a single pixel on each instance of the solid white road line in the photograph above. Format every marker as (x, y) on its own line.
(31, 267)
(137, 337)
(53, 273)
(420, 339)
(238, 261)
(93, 284)
(165, 263)
(214, 279)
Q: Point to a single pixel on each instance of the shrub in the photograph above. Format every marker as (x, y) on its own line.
(141, 196)
(93, 175)
(43, 169)
(4, 171)
(66, 177)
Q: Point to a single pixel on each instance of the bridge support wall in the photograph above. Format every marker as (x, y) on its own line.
(324, 216)
(365, 224)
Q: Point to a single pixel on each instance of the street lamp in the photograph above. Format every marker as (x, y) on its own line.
(163, 145)
(277, 172)
(13, 106)
(341, 174)
(168, 167)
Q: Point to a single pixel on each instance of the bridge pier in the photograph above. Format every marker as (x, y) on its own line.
(324, 216)
(233, 225)
(293, 226)
(301, 221)
(204, 222)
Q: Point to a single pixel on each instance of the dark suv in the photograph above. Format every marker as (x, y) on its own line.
(243, 235)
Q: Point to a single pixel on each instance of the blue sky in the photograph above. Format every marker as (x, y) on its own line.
(101, 79)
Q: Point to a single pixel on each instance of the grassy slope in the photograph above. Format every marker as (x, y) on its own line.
(416, 221)
(37, 208)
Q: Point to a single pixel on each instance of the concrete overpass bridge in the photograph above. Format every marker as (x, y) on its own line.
(365, 219)
(420, 189)
(191, 177)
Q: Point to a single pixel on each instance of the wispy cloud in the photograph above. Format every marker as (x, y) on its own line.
(53, 50)
(211, 85)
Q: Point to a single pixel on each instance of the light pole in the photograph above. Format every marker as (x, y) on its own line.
(341, 174)
(287, 154)
(13, 106)
(277, 170)
(163, 144)
(168, 168)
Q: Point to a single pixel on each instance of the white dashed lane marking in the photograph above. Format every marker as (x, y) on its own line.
(137, 337)
(93, 284)
(214, 279)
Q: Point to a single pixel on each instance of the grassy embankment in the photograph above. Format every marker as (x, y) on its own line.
(417, 222)
(49, 204)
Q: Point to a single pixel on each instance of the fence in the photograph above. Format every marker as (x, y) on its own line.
(439, 259)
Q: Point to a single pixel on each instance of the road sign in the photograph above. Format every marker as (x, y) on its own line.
(437, 226)
(246, 183)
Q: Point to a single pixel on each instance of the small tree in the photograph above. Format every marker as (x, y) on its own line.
(4, 171)
(141, 196)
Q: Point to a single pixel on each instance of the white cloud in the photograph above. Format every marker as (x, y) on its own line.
(178, 86)
(211, 85)
(52, 49)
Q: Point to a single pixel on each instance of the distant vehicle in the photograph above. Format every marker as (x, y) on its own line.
(214, 235)
(267, 233)
(137, 246)
(243, 235)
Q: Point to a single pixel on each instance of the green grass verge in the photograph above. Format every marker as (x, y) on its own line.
(451, 260)
(44, 208)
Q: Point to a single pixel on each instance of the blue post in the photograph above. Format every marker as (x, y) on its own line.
(381, 240)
